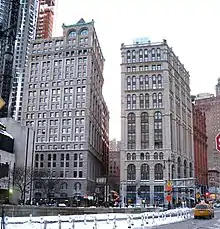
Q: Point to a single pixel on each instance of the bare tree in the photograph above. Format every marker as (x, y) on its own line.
(47, 182)
(22, 178)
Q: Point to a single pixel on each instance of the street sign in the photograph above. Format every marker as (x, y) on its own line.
(217, 141)
(2, 103)
(169, 198)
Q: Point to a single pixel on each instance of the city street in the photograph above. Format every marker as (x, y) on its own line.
(195, 223)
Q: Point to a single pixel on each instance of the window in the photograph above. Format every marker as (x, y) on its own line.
(133, 83)
(131, 131)
(155, 156)
(145, 172)
(133, 101)
(161, 155)
(141, 101)
(131, 172)
(159, 81)
(142, 156)
(128, 156)
(144, 131)
(72, 34)
(146, 82)
(154, 82)
(147, 103)
(84, 32)
(158, 133)
(128, 101)
(129, 83)
(158, 172)
(141, 82)
(154, 100)
(160, 100)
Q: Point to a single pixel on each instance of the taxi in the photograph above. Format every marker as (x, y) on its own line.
(203, 210)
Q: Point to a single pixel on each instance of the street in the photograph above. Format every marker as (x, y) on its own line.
(195, 223)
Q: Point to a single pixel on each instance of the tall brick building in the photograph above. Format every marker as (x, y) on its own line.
(45, 19)
(200, 148)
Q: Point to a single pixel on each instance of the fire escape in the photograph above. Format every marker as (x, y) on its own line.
(7, 44)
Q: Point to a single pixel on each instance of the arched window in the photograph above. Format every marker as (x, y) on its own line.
(154, 81)
(145, 55)
(159, 81)
(133, 101)
(41, 157)
(158, 132)
(158, 172)
(155, 156)
(146, 82)
(72, 34)
(77, 186)
(49, 157)
(62, 157)
(190, 170)
(141, 101)
(145, 172)
(160, 100)
(54, 157)
(142, 156)
(144, 130)
(133, 83)
(64, 186)
(141, 82)
(36, 157)
(131, 172)
(172, 172)
(75, 157)
(154, 100)
(158, 54)
(131, 131)
(133, 157)
(161, 155)
(128, 156)
(185, 168)
(80, 156)
(147, 156)
(67, 156)
(84, 32)
(179, 167)
(147, 102)
(129, 83)
(153, 54)
(128, 101)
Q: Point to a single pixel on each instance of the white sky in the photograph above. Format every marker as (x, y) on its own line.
(191, 27)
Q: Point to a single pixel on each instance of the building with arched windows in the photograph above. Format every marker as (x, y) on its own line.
(64, 104)
(156, 121)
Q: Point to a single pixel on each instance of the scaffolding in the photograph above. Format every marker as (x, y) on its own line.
(8, 33)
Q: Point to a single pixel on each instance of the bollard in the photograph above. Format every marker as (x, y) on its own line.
(142, 220)
(114, 222)
(59, 222)
(30, 219)
(132, 220)
(45, 224)
(153, 218)
(95, 223)
(73, 223)
(129, 222)
(6, 221)
(146, 219)
(85, 220)
(41, 222)
(107, 219)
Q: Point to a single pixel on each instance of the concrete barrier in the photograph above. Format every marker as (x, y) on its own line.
(25, 211)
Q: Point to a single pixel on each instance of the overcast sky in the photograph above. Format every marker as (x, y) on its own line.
(191, 27)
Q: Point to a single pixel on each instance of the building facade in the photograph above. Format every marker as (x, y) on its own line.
(63, 102)
(8, 27)
(114, 145)
(200, 149)
(114, 170)
(45, 19)
(156, 120)
(25, 34)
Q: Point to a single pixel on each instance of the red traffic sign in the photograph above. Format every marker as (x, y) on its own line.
(217, 141)
(168, 198)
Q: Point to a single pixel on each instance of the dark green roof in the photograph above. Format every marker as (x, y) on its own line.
(79, 23)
